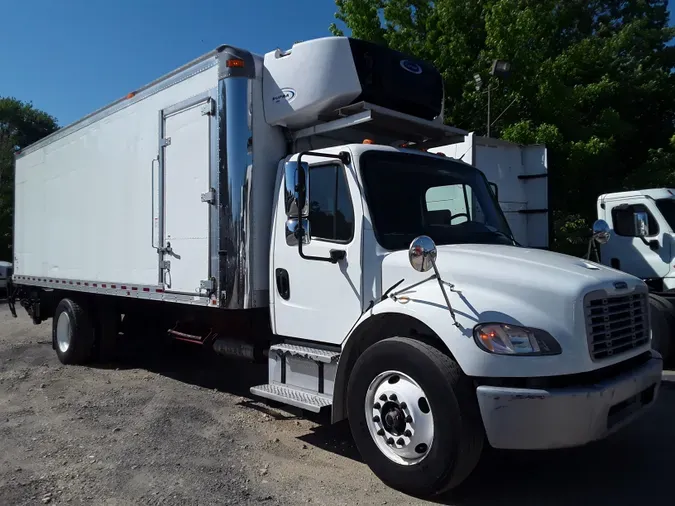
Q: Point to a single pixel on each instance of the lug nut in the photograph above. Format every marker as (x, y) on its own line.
(404, 405)
(376, 419)
(380, 432)
(393, 397)
(400, 441)
(407, 433)
(408, 419)
(377, 405)
(390, 441)
(383, 397)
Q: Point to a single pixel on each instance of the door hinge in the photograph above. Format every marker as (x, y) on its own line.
(209, 108)
(209, 197)
(207, 284)
(165, 142)
(165, 264)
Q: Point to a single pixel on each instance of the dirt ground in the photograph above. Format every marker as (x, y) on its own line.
(177, 427)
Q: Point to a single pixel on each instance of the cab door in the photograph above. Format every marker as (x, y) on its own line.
(646, 259)
(313, 299)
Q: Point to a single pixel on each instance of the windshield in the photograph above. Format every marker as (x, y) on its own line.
(667, 208)
(410, 195)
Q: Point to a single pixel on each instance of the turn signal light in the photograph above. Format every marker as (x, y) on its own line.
(235, 62)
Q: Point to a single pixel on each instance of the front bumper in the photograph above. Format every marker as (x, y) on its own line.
(537, 419)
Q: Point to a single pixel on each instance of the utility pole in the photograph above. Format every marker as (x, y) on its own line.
(501, 69)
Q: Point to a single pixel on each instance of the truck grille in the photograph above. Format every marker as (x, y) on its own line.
(616, 324)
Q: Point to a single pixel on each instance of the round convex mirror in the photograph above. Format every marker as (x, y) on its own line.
(601, 232)
(422, 253)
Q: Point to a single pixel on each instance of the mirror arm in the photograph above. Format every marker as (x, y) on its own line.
(653, 244)
(445, 294)
(335, 255)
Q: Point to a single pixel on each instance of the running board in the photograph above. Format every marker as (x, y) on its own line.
(314, 354)
(293, 396)
(300, 376)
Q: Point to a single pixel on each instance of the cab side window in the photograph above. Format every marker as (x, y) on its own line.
(331, 214)
(623, 220)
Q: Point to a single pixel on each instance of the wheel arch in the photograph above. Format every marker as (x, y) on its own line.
(370, 331)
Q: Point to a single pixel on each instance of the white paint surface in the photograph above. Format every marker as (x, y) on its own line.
(186, 177)
(84, 202)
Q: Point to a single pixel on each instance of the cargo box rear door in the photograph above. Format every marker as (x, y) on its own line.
(185, 167)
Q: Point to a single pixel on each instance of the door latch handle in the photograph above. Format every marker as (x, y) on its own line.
(167, 250)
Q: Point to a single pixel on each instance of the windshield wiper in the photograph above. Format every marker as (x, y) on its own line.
(502, 234)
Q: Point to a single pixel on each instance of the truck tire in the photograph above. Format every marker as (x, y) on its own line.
(72, 333)
(414, 417)
(662, 315)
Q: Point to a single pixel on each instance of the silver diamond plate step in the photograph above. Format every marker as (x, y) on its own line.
(292, 396)
(315, 354)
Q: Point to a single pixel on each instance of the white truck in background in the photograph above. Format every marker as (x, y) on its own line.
(637, 231)
(263, 206)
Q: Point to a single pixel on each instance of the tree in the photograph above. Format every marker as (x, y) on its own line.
(591, 78)
(20, 125)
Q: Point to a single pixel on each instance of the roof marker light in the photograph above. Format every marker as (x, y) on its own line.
(235, 62)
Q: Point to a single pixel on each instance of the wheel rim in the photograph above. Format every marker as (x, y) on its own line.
(399, 417)
(63, 332)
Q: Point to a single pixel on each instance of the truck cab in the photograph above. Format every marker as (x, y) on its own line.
(642, 234)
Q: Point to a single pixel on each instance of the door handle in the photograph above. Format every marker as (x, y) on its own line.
(283, 284)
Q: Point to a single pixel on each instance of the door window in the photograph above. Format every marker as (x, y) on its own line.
(331, 214)
(624, 222)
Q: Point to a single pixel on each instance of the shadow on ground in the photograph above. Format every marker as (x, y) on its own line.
(630, 468)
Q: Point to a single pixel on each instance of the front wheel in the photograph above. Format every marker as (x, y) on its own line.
(414, 416)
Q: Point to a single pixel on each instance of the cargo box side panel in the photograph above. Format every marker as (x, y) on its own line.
(84, 202)
(501, 162)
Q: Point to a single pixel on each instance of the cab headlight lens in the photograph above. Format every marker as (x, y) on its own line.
(506, 339)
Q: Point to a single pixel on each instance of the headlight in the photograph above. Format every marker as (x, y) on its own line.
(505, 339)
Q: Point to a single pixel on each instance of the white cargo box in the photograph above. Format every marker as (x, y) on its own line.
(98, 198)
(521, 175)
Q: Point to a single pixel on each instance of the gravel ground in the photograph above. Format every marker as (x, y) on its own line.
(181, 428)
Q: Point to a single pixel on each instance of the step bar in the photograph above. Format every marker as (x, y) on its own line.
(300, 376)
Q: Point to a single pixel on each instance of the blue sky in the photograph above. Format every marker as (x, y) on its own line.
(70, 57)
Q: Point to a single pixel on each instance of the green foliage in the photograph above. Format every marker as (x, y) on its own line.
(591, 79)
(20, 125)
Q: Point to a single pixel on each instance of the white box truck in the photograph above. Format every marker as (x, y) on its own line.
(263, 206)
(636, 229)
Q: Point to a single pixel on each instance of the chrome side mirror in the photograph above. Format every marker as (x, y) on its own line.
(641, 220)
(601, 232)
(296, 189)
(292, 231)
(422, 253)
